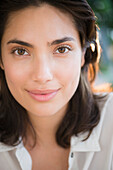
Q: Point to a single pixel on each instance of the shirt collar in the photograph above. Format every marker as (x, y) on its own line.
(21, 153)
(89, 145)
(5, 148)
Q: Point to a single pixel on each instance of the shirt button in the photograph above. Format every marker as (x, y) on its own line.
(72, 154)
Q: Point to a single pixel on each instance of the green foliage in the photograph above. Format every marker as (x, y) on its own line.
(104, 11)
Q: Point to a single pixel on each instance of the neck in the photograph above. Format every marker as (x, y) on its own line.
(45, 128)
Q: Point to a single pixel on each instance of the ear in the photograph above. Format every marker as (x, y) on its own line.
(1, 65)
(83, 58)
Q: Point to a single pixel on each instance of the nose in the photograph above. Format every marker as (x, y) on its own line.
(42, 71)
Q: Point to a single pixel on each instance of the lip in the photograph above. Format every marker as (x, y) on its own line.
(43, 95)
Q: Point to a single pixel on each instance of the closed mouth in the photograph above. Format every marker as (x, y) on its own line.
(43, 95)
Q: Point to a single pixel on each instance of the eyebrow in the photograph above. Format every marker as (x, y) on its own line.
(58, 41)
(15, 41)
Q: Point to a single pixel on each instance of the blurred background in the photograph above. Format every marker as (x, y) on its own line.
(104, 12)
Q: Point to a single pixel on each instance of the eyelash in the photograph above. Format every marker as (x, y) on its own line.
(60, 47)
(19, 48)
(65, 47)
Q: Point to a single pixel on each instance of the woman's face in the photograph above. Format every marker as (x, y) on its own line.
(42, 59)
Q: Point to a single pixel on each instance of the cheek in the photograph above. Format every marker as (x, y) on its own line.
(72, 77)
(69, 75)
(15, 76)
(70, 70)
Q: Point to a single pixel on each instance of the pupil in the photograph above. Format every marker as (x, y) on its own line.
(61, 50)
(21, 52)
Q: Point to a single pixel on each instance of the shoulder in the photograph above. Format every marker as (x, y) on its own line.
(105, 127)
(105, 104)
(107, 111)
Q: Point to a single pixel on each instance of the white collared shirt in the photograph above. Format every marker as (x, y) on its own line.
(96, 153)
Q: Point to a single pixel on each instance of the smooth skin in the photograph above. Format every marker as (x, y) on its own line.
(33, 60)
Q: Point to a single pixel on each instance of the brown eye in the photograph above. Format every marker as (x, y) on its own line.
(62, 49)
(20, 52)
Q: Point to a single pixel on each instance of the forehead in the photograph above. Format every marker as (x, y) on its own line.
(43, 21)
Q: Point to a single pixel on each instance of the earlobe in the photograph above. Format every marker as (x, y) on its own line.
(1, 65)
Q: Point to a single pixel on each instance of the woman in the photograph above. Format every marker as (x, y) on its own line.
(49, 116)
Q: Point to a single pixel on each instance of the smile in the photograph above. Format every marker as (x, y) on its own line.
(44, 95)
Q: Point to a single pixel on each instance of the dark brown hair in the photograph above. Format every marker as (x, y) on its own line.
(83, 113)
